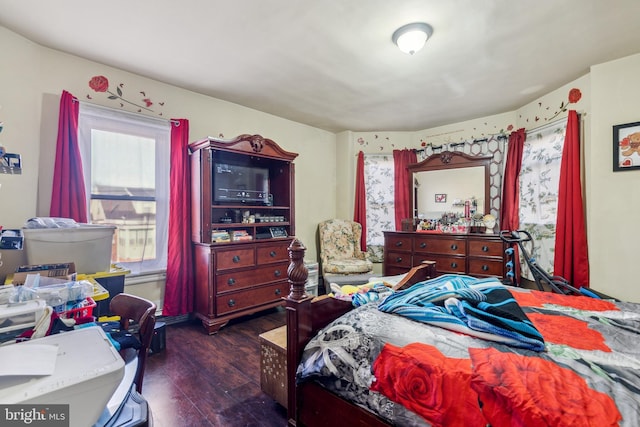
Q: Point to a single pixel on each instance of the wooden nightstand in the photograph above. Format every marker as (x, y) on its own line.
(273, 364)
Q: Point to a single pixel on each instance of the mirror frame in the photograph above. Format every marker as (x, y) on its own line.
(450, 160)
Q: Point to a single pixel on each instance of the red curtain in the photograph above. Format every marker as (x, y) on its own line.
(571, 259)
(178, 296)
(360, 208)
(68, 197)
(509, 219)
(510, 203)
(402, 189)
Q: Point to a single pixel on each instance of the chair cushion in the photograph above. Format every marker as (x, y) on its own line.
(347, 266)
(337, 239)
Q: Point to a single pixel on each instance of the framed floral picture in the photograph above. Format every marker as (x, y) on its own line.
(441, 198)
(626, 147)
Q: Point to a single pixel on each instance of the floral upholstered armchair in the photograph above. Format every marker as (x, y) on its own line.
(340, 251)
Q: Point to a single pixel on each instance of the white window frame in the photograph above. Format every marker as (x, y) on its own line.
(107, 119)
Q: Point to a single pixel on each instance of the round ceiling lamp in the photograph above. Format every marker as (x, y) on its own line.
(411, 38)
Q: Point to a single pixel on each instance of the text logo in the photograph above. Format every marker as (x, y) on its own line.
(34, 415)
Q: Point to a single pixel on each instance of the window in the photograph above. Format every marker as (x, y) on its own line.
(378, 177)
(125, 159)
(539, 181)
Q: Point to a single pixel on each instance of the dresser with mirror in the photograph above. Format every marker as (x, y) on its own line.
(444, 185)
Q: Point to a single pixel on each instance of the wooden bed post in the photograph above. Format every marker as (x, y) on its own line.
(297, 271)
(309, 403)
(298, 322)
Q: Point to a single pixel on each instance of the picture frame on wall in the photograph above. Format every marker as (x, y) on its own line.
(626, 147)
(441, 198)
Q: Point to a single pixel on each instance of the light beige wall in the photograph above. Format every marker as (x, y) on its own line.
(386, 142)
(555, 105)
(614, 199)
(480, 128)
(19, 111)
(30, 86)
(345, 176)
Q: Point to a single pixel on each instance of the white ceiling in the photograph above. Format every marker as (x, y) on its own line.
(331, 63)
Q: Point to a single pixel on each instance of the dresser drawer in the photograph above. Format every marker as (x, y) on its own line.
(273, 253)
(235, 258)
(439, 246)
(235, 301)
(486, 248)
(485, 267)
(397, 243)
(444, 264)
(236, 280)
(397, 259)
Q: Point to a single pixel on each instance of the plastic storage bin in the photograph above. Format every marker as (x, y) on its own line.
(111, 282)
(312, 279)
(88, 246)
(84, 310)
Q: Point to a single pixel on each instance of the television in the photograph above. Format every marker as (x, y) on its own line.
(235, 183)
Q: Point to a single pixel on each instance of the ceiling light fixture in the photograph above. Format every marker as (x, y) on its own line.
(411, 38)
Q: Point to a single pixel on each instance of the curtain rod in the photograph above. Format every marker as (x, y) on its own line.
(546, 125)
(555, 122)
(458, 144)
(173, 122)
(441, 146)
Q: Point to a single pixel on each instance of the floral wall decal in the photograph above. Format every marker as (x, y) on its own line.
(574, 96)
(100, 84)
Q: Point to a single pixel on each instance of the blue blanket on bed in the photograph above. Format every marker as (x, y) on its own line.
(483, 308)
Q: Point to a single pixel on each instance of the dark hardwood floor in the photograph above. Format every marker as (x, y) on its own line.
(212, 380)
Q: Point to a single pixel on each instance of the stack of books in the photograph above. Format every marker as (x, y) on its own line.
(220, 236)
(241, 235)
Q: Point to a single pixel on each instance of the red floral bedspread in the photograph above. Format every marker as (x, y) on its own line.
(415, 374)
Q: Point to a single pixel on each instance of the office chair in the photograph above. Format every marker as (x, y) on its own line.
(142, 312)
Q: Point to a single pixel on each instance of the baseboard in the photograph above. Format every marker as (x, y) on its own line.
(172, 320)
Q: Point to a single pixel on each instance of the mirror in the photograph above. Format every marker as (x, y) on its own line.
(443, 182)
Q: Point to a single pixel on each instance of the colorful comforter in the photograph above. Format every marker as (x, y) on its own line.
(413, 373)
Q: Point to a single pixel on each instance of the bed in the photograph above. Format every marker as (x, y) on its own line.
(365, 366)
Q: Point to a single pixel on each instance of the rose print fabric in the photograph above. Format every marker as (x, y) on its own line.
(415, 374)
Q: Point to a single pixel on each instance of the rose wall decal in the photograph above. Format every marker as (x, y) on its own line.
(100, 84)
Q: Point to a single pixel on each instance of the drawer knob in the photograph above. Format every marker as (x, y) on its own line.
(278, 291)
(454, 246)
(277, 273)
(454, 265)
(231, 303)
(485, 249)
(236, 259)
(399, 259)
(398, 244)
(423, 245)
(231, 281)
(485, 268)
(272, 254)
